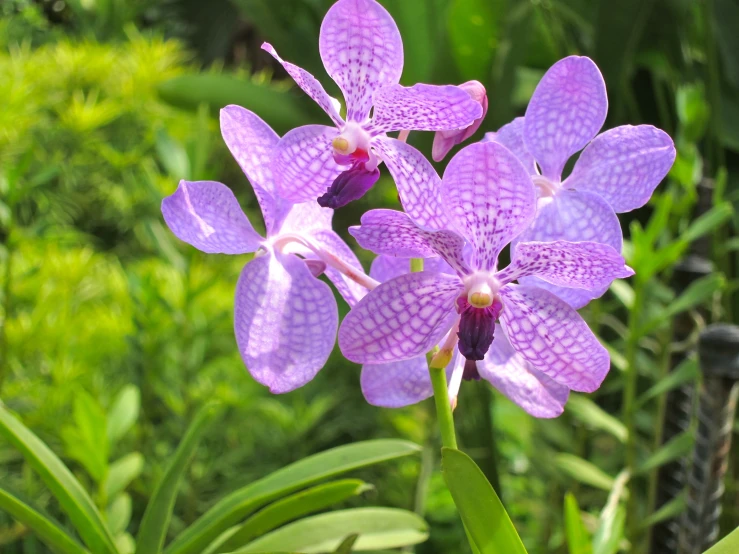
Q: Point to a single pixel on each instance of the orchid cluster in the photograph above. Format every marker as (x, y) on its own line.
(516, 327)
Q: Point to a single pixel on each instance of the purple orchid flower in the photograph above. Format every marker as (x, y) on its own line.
(444, 141)
(617, 171)
(285, 318)
(489, 199)
(362, 51)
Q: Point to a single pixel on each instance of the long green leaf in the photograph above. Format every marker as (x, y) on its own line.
(578, 539)
(73, 499)
(593, 415)
(46, 530)
(676, 448)
(158, 512)
(584, 471)
(670, 510)
(728, 545)
(483, 514)
(293, 507)
(376, 527)
(233, 508)
(123, 413)
(685, 372)
(122, 472)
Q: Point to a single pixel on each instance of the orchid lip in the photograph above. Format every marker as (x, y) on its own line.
(352, 138)
(545, 186)
(482, 289)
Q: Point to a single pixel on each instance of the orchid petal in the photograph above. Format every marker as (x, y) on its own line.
(553, 338)
(423, 108)
(310, 86)
(401, 319)
(285, 321)
(624, 165)
(583, 265)
(303, 163)
(511, 374)
(349, 289)
(397, 384)
(386, 267)
(393, 233)
(206, 215)
(510, 135)
(362, 51)
(251, 142)
(305, 218)
(566, 111)
(490, 198)
(576, 217)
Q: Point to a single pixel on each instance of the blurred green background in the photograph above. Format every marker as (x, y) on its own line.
(106, 104)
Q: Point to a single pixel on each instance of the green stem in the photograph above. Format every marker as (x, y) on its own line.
(4, 357)
(443, 407)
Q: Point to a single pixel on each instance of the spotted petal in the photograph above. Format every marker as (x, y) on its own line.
(490, 198)
(207, 215)
(510, 135)
(423, 108)
(419, 186)
(386, 267)
(396, 384)
(401, 319)
(566, 111)
(624, 165)
(362, 51)
(583, 265)
(285, 321)
(310, 85)
(394, 233)
(352, 291)
(303, 163)
(572, 216)
(511, 374)
(251, 142)
(553, 338)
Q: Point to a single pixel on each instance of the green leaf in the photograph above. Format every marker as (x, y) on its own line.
(708, 222)
(376, 527)
(417, 22)
(671, 509)
(482, 512)
(46, 530)
(293, 507)
(87, 441)
(610, 532)
(584, 471)
(692, 111)
(173, 156)
(676, 448)
(124, 412)
(685, 372)
(578, 538)
(119, 514)
(158, 512)
(347, 544)
(233, 508)
(72, 498)
(589, 413)
(122, 472)
(728, 545)
(623, 291)
(473, 36)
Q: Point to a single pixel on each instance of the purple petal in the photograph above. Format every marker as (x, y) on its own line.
(386, 267)
(419, 186)
(583, 265)
(362, 51)
(566, 111)
(512, 375)
(422, 108)
(310, 85)
(400, 319)
(285, 321)
(624, 165)
(349, 186)
(251, 142)
(397, 384)
(306, 217)
(576, 217)
(444, 141)
(394, 233)
(303, 163)
(553, 338)
(490, 198)
(349, 289)
(510, 135)
(207, 215)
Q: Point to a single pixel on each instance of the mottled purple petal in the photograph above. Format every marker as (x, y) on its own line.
(386, 267)
(512, 375)
(553, 338)
(444, 141)
(400, 319)
(310, 85)
(419, 186)
(397, 384)
(285, 321)
(510, 135)
(422, 108)
(393, 233)
(349, 289)
(566, 111)
(362, 51)
(583, 265)
(624, 165)
(251, 142)
(303, 163)
(490, 198)
(306, 217)
(572, 216)
(207, 215)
